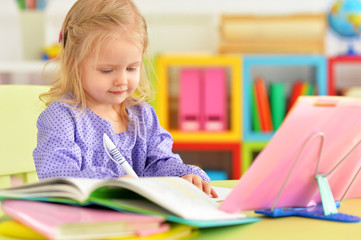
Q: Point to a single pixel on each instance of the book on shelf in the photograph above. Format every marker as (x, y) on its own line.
(190, 99)
(203, 99)
(214, 99)
(297, 90)
(171, 197)
(256, 125)
(263, 105)
(60, 221)
(307, 89)
(278, 103)
(300, 88)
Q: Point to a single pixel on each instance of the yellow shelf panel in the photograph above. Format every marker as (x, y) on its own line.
(233, 62)
(189, 137)
(248, 149)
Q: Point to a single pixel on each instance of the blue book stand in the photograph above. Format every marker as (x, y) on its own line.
(327, 208)
(310, 212)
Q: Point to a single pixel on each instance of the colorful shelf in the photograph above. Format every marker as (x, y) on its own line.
(233, 64)
(316, 62)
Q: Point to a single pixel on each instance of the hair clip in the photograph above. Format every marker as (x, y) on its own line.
(61, 37)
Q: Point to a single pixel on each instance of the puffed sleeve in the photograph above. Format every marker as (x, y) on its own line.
(57, 154)
(161, 161)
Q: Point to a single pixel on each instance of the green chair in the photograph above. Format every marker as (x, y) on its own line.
(20, 107)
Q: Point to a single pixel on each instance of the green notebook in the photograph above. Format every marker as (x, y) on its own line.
(278, 103)
(256, 124)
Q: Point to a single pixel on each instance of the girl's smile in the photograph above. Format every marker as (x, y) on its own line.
(117, 92)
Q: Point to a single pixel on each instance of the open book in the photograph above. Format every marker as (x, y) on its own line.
(171, 197)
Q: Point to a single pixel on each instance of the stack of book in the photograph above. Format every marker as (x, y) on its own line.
(44, 220)
(72, 208)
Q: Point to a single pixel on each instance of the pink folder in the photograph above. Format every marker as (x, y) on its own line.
(50, 219)
(214, 117)
(190, 99)
(339, 120)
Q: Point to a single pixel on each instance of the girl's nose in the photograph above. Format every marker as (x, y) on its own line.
(120, 78)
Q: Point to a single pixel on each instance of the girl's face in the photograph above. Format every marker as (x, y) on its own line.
(114, 76)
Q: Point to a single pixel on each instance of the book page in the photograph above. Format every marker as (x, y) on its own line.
(222, 193)
(53, 187)
(176, 195)
(87, 185)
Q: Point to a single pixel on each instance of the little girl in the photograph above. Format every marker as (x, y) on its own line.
(101, 88)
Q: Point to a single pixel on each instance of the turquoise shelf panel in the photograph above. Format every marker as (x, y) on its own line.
(315, 67)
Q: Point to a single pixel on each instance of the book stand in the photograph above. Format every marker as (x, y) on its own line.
(327, 209)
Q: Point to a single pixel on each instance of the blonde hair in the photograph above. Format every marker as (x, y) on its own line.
(86, 26)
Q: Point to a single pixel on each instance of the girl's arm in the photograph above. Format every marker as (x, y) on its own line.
(161, 161)
(57, 154)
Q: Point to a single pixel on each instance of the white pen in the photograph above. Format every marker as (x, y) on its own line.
(112, 150)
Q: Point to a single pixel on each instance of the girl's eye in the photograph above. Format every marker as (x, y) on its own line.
(106, 70)
(131, 69)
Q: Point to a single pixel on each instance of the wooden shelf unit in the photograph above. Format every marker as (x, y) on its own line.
(317, 62)
(335, 62)
(234, 148)
(233, 63)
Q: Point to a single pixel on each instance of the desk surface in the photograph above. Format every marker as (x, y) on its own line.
(288, 227)
(295, 228)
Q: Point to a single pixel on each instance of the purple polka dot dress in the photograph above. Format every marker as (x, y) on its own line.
(70, 144)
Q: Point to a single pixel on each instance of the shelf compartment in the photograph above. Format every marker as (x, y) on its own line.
(250, 151)
(312, 68)
(232, 166)
(166, 101)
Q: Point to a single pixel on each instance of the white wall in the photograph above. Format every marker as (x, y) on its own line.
(232, 6)
(192, 25)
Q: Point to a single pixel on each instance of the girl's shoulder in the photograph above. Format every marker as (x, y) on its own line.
(58, 108)
(58, 115)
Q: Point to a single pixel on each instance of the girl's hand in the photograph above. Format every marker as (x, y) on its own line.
(127, 176)
(201, 184)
